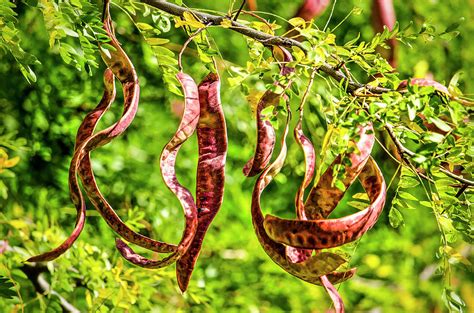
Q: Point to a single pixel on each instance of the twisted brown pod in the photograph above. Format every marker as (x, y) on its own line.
(323, 198)
(212, 142)
(84, 132)
(265, 132)
(314, 267)
(329, 233)
(186, 128)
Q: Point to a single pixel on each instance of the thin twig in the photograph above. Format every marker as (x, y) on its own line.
(186, 43)
(236, 16)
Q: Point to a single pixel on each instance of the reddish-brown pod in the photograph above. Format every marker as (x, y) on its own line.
(424, 83)
(122, 68)
(311, 9)
(383, 14)
(324, 197)
(210, 178)
(84, 132)
(335, 297)
(330, 233)
(312, 268)
(186, 128)
(265, 132)
(86, 142)
(297, 255)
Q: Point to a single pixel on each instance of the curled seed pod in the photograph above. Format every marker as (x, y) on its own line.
(323, 198)
(186, 128)
(335, 297)
(423, 82)
(296, 255)
(212, 142)
(252, 5)
(265, 131)
(383, 14)
(329, 233)
(84, 132)
(311, 9)
(314, 267)
(124, 70)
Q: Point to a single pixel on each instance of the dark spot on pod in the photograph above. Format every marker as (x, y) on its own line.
(311, 241)
(300, 240)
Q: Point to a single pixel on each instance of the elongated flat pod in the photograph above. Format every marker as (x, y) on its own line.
(186, 128)
(296, 255)
(383, 14)
(311, 269)
(424, 83)
(210, 178)
(265, 132)
(335, 297)
(323, 198)
(123, 69)
(118, 61)
(311, 9)
(84, 132)
(329, 233)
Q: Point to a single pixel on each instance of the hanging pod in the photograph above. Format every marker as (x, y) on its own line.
(210, 178)
(265, 132)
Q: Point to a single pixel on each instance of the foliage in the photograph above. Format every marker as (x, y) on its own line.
(417, 257)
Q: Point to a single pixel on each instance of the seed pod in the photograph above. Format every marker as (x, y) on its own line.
(329, 233)
(383, 14)
(265, 131)
(335, 297)
(167, 163)
(296, 255)
(84, 132)
(323, 198)
(423, 82)
(311, 9)
(311, 269)
(212, 142)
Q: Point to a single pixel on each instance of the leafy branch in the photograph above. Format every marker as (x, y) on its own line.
(264, 38)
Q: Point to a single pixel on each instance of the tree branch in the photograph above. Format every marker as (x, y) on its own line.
(403, 151)
(35, 275)
(266, 39)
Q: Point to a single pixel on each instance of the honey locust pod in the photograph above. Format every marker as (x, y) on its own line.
(297, 255)
(210, 178)
(312, 268)
(89, 123)
(329, 233)
(383, 14)
(265, 132)
(186, 128)
(126, 73)
(324, 197)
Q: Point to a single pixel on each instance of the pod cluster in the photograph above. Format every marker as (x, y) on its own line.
(203, 114)
(296, 245)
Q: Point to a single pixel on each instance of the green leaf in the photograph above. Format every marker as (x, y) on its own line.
(395, 218)
(407, 196)
(5, 288)
(440, 124)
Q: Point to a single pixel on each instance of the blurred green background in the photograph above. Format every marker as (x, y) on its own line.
(397, 268)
